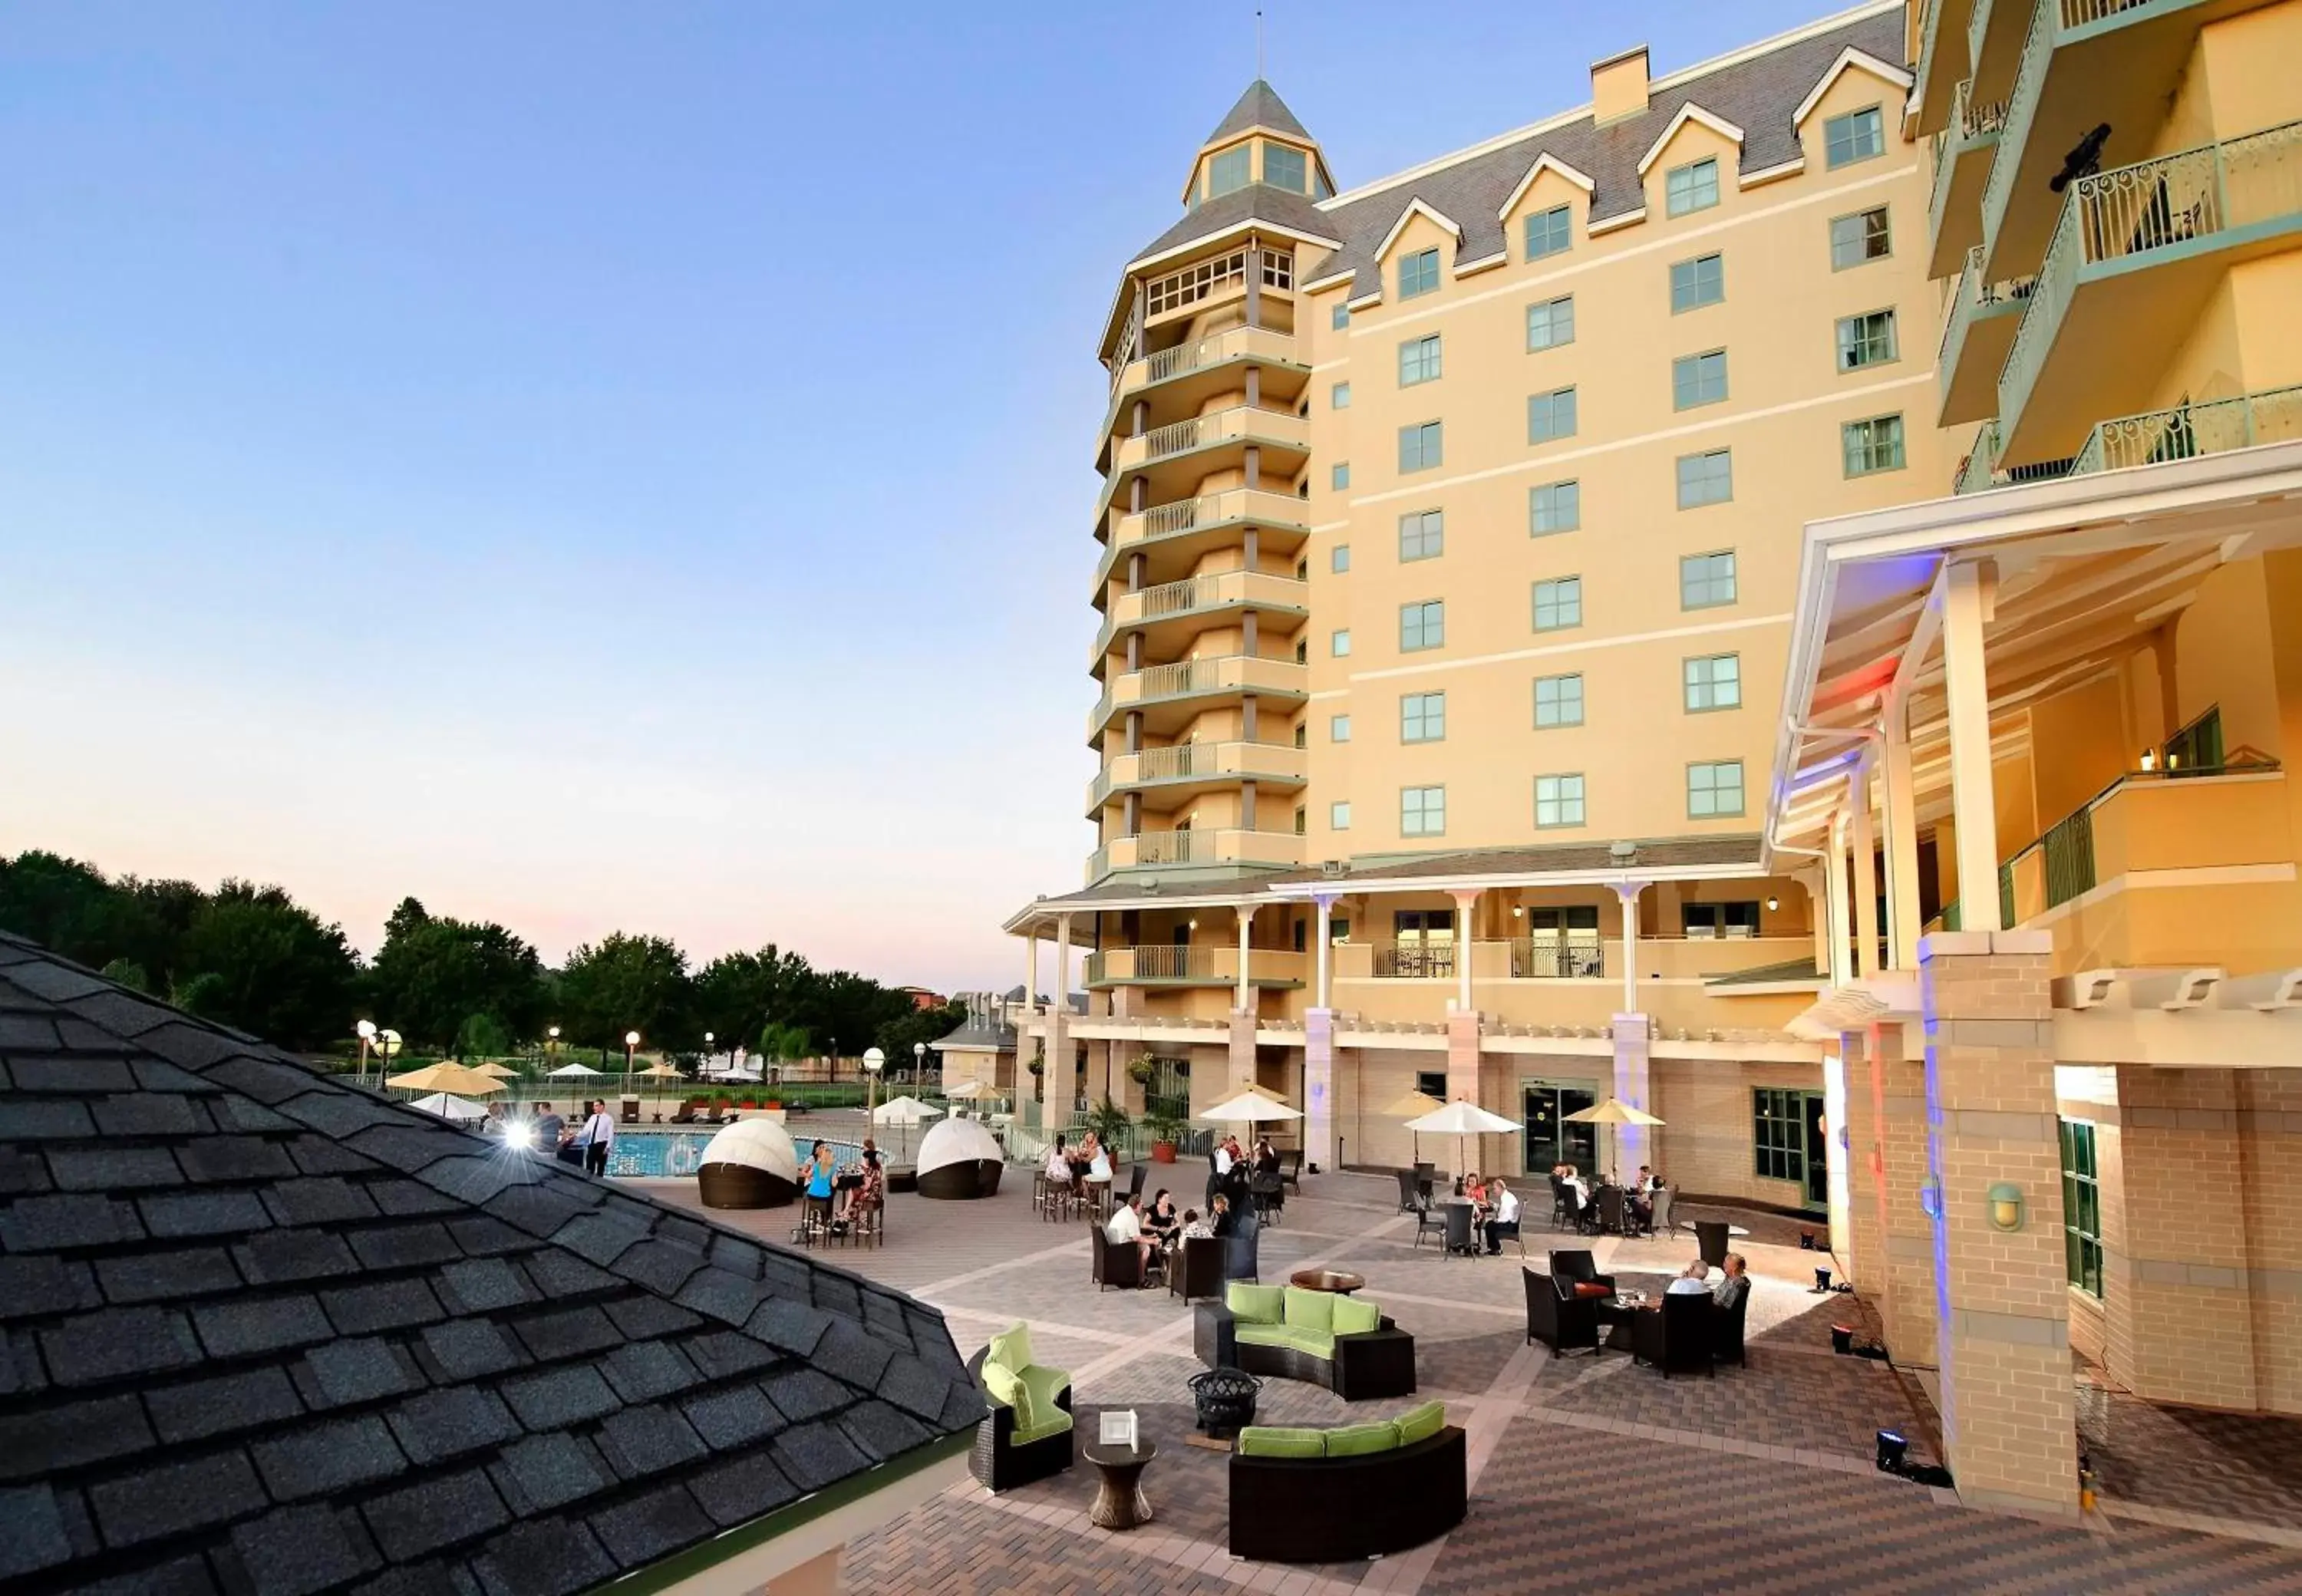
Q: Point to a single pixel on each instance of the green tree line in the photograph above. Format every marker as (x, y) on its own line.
(253, 958)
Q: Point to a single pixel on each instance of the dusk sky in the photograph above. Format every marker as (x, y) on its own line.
(614, 466)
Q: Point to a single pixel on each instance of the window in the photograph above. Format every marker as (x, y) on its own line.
(1421, 446)
(1698, 380)
(1550, 416)
(1714, 788)
(1418, 361)
(1339, 817)
(1558, 603)
(1714, 682)
(1859, 238)
(1284, 168)
(1778, 1133)
(1550, 324)
(1301, 817)
(2081, 1208)
(1339, 643)
(1432, 1083)
(1421, 625)
(1422, 718)
(1558, 700)
(1302, 570)
(1856, 135)
(1302, 650)
(1697, 282)
(1339, 475)
(1558, 800)
(1422, 812)
(1554, 507)
(1338, 396)
(1339, 729)
(1339, 558)
(1339, 317)
(1705, 479)
(1706, 579)
(1866, 340)
(1872, 446)
(1549, 232)
(1739, 919)
(1418, 273)
(1229, 171)
(1694, 187)
(1422, 534)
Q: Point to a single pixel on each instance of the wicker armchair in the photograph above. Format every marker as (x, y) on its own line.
(1195, 1268)
(1556, 1316)
(1675, 1338)
(1000, 1462)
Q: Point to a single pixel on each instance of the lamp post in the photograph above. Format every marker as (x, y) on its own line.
(630, 1046)
(874, 1061)
(551, 1048)
(366, 1030)
(918, 1064)
(387, 1048)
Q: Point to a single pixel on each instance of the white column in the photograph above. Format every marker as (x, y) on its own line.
(1841, 922)
(1321, 994)
(1030, 969)
(1466, 905)
(1974, 809)
(1245, 993)
(1866, 872)
(1062, 987)
(1629, 891)
(1901, 840)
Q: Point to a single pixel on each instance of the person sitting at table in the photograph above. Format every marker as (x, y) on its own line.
(1059, 1165)
(1639, 1198)
(1692, 1280)
(1126, 1225)
(1729, 1292)
(1098, 1159)
(1160, 1220)
(1505, 1221)
(1266, 1157)
(1194, 1228)
(815, 1179)
(1219, 1217)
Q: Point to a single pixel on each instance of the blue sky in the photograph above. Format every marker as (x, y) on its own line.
(609, 467)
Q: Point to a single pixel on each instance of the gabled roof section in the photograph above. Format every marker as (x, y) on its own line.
(261, 1329)
(1689, 112)
(1851, 59)
(1259, 107)
(1545, 162)
(1415, 208)
(1756, 90)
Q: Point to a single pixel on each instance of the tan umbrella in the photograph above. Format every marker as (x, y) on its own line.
(1612, 1112)
(663, 1073)
(1411, 1105)
(500, 1071)
(453, 1078)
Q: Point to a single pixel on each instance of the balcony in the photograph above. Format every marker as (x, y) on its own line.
(2215, 426)
(1979, 472)
(1577, 983)
(1942, 61)
(1185, 772)
(1201, 287)
(2084, 64)
(1172, 613)
(1523, 959)
(2136, 253)
(1994, 32)
(1200, 848)
(1171, 696)
(1962, 165)
(1182, 378)
(1172, 537)
(1158, 965)
(1977, 333)
(1205, 442)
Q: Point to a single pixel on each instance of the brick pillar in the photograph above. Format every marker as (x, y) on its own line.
(2178, 1314)
(1242, 1051)
(2270, 1152)
(1463, 1073)
(2009, 1413)
(1859, 1238)
(1319, 1088)
(1633, 1045)
(1903, 1287)
(1062, 1078)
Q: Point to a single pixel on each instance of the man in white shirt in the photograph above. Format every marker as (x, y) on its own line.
(1126, 1225)
(599, 1135)
(1692, 1281)
(1506, 1220)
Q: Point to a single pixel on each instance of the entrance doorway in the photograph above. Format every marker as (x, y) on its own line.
(1787, 1141)
(1549, 1138)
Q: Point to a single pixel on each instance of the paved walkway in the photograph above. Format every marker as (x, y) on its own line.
(1586, 1472)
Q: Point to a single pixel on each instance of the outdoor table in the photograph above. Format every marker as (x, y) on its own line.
(1342, 1282)
(1119, 1501)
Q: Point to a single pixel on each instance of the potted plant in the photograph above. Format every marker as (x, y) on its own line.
(1109, 1122)
(1142, 1068)
(1165, 1130)
(1038, 1065)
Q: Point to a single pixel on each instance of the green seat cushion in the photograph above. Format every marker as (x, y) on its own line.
(1045, 1384)
(1007, 1388)
(1318, 1343)
(1261, 1441)
(1421, 1424)
(1249, 1334)
(1357, 1441)
(1010, 1348)
(1310, 1310)
(1262, 1305)
(1352, 1316)
(1054, 1424)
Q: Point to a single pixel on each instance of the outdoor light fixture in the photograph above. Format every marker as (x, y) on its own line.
(1931, 1203)
(1892, 1446)
(1517, 910)
(2005, 1206)
(2150, 759)
(520, 1133)
(1773, 903)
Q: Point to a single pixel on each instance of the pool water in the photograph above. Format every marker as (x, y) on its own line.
(673, 1154)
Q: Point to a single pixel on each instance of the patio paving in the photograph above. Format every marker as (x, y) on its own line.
(1586, 1471)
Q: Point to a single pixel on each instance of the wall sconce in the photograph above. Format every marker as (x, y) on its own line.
(1931, 1203)
(1193, 925)
(1773, 903)
(2005, 1206)
(2150, 759)
(1518, 911)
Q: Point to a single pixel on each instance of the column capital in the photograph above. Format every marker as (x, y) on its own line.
(1629, 891)
(1465, 896)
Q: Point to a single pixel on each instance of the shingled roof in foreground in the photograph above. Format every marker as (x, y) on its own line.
(263, 1330)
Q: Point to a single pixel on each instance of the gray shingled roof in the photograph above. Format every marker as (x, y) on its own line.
(262, 1331)
(1259, 107)
(1757, 95)
(1258, 202)
(979, 1030)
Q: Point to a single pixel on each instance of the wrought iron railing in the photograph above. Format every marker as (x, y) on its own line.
(1971, 124)
(1980, 471)
(2211, 426)
(1540, 958)
(1414, 961)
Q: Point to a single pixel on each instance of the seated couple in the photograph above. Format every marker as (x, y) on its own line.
(1695, 1279)
(1076, 1167)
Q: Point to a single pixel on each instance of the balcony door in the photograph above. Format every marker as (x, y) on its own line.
(1425, 942)
(1549, 1138)
(1561, 941)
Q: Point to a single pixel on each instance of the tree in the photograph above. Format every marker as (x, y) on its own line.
(626, 983)
(738, 994)
(277, 970)
(432, 976)
(897, 1037)
(482, 1036)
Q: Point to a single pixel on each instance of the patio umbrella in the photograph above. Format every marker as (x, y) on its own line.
(496, 1070)
(904, 1112)
(446, 1078)
(1251, 1107)
(1463, 1118)
(1412, 1106)
(573, 1072)
(1612, 1112)
(450, 1107)
(663, 1073)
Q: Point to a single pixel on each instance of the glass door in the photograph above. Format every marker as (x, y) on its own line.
(1549, 1137)
(1424, 943)
(1817, 1154)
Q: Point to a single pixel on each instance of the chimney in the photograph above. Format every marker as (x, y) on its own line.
(1619, 84)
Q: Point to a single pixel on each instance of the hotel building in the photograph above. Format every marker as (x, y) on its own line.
(1773, 596)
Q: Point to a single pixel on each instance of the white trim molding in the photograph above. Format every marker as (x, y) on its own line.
(1417, 207)
(1545, 162)
(1850, 58)
(1689, 112)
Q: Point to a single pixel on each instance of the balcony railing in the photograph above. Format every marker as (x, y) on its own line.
(1543, 958)
(1971, 125)
(1208, 509)
(1972, 300)
(2130, 213)
(1194, 593)
(1198, 847)
(2213, 426)
(1281, 427)
(1978, 472)
(1247, 761)
(1210, 965)
(1189, 678)
(1414, 961)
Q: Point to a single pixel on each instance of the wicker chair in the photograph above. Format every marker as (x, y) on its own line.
(1116, 1263)
(1338, 1509)
(1195, 1268)
(1727, 1327)
(1675, 1336)
(997, 1460)
(1557, 1317)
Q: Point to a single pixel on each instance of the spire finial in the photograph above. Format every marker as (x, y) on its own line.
(1258, 41)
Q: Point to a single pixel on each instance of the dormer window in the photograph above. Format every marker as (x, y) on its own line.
(1284, 168)
(1229, 171)
(1694, 187)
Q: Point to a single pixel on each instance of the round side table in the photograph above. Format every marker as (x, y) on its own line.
(1119, 1502)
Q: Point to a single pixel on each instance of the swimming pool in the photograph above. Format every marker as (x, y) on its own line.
(652, 1154)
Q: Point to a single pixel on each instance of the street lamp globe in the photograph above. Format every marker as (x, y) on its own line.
(631, 1038)
(707, 1039)
(553, 1032)
(875, 1061)
(366, 1031)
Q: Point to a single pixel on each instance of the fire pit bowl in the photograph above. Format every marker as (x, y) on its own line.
(1225, 1399)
